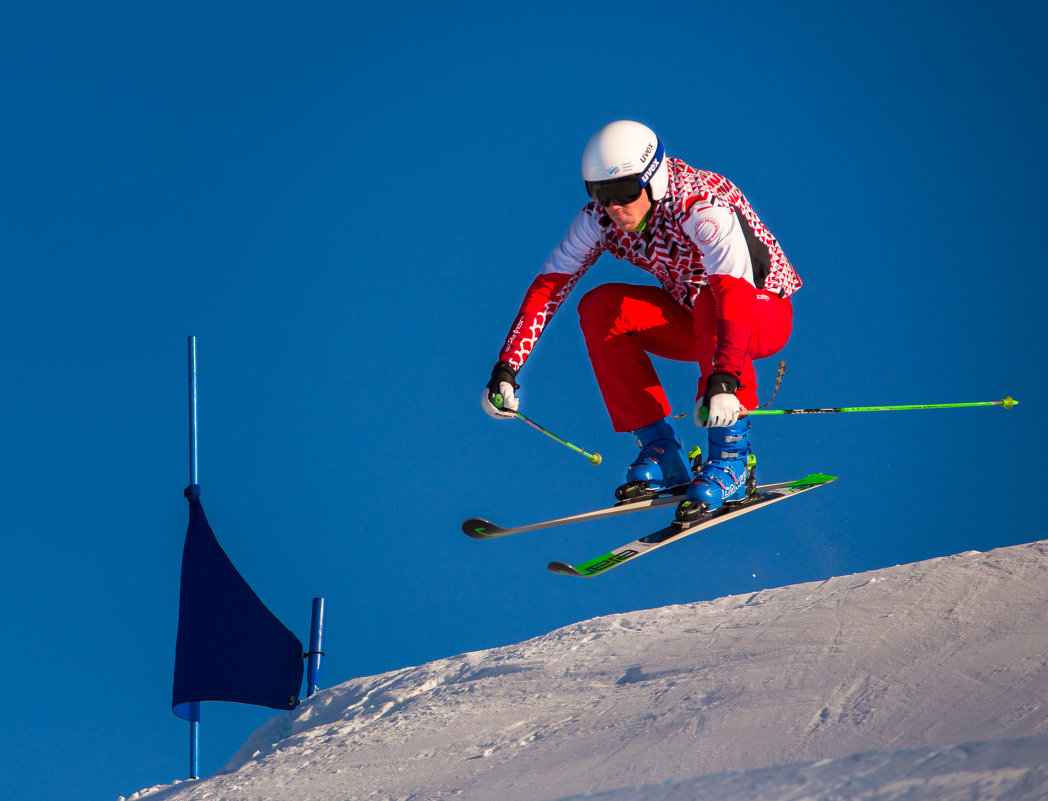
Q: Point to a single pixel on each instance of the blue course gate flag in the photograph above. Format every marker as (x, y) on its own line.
(230, 646)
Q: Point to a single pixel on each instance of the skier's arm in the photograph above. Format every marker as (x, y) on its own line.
(566, 265)
(569, 261)
(716, 231)
(540, 303)
(535, 311)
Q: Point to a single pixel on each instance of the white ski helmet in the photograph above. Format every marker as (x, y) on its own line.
(623, 149)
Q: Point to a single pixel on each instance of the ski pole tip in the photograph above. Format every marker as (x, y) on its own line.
(595, 458)
(1009, 402)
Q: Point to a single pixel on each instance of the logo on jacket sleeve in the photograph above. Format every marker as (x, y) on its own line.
(706, 230)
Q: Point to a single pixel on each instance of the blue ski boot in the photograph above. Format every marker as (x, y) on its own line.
(727, 476)
(659, 467)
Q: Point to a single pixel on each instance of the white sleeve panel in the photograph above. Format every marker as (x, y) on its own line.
(717, 233)
(580, 247)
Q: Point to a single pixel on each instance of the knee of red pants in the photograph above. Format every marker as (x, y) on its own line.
(600, 311)
(772, 325)
(646, 316)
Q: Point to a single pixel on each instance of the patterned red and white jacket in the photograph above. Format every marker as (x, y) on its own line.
(703, 236)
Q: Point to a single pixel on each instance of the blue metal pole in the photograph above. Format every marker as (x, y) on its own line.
(316, 647)
(194, 740)
(193, 464)
(194, 479)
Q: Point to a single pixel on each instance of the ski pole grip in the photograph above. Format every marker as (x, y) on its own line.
(704, 413)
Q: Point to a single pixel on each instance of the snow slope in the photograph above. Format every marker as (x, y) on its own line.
(862, 686)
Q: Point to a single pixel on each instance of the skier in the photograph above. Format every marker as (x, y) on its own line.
(724, 300)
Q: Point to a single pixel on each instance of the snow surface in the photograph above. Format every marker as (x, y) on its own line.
(922, 681)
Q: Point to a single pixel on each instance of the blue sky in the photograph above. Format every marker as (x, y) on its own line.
(345, 205)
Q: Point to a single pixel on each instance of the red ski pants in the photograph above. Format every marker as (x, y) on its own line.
(623, 323)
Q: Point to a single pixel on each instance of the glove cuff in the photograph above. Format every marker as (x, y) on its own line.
(503, 371)
(721, 384)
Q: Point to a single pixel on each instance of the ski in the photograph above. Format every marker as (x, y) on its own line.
(767, 494)
(480, 529)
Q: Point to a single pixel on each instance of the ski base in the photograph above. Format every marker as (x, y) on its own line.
(766, 495)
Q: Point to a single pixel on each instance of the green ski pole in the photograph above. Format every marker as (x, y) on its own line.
(594, 458)
(1007, 403)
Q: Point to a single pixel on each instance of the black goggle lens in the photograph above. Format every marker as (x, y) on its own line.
(617, 192)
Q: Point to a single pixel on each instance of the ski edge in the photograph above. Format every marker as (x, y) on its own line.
(624, 553)
(480, 529)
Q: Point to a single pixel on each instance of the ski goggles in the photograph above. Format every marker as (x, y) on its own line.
(616, 192)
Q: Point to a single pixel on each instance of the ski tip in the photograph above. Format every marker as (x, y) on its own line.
(814, 480)
(563, 569)
(480, 529)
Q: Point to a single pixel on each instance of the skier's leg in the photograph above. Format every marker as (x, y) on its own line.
(622, 324)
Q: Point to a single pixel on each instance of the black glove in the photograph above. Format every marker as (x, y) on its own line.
(503, 382)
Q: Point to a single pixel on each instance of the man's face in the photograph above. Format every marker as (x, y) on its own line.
(630, 215)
